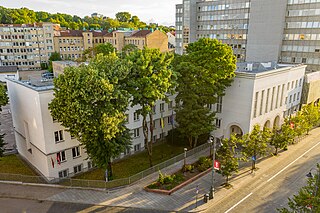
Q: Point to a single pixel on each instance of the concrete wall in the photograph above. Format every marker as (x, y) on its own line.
(266, 25)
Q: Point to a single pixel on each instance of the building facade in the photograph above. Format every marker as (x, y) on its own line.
(71, 43)
(261, 93)
(276, 30)
(46, 144)
(26, 46)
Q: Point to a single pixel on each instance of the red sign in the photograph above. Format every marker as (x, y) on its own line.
(216, 165)
(291, 125)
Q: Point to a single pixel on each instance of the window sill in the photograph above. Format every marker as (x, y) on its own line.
(77, 157)
(59, 141)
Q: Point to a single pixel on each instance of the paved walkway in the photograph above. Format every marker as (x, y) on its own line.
(181, 200)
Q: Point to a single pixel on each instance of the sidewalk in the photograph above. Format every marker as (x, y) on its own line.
(181, 200)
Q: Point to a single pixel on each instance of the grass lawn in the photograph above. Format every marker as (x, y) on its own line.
(135, 163)
(14, 165)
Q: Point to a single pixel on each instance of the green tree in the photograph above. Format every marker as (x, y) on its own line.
(127, 49)
(3, 101)
(104, 49)
(280, 139)
(90, 102)
(204, 73)
(226, 155)
(149, 80)
(310, 113)
(54, 57)
(308, 198)
(255, 144)
(123, 16)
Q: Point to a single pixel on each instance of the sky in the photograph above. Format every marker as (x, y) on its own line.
(158, 11)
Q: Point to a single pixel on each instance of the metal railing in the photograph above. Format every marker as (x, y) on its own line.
(196, 152)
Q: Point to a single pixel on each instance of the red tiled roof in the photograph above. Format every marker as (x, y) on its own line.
(71, 33)
(100, 33)
(141, 33)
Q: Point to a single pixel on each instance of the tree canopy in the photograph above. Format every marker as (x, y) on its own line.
(27, 16)
(3, 101)
(150, 79)
(204, 73)
(90, 101)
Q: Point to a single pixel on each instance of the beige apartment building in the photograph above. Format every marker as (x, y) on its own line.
(71, 43)
(26, 46)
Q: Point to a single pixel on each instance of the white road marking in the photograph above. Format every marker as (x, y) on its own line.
(239, 202)
(293, 162)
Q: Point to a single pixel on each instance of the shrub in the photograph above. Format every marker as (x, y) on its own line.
(204, 163)
(168, 179)
(187, 168)
(161, 177)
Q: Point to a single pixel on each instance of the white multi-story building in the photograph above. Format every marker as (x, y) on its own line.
(46, 145)
(257, 30)
(26, 46)
(261, 93)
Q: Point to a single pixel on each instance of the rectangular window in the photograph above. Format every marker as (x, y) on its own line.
(77, 169)
(137, 147)
(61, 157)
(282, 93)
(219, 104)
(161, 107)
(76, 152)
(298, 96)
(64, 173)
(154, 138)
(255, 104)
(90, 164)
(136, 133)
(154, 108)
(277, 97)
(261, 102)
(292, 84)
(58, 136)
(300, 82)
(218, 122)
(272, 98)
(267, 101)
(127, 118)
(170, 104)
(294, 97)
(136, 116)
(290, 99)
(296, 84)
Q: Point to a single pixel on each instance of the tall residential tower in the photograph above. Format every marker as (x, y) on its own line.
(287, 31)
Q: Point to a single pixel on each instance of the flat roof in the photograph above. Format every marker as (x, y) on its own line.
(260, 67)
(37, 84)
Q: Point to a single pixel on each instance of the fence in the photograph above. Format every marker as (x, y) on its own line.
(196, 152)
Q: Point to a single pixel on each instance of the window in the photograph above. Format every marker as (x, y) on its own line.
(127, 151)
(155, 138)
(137, 147)
(272, 98)
(267, 101)
(219, 104)
(300, 82)
(286, 101)
(218, 123)
(127, 118)
(64, 173)
(261, 104)
(282, 92)
(290, 99)
(296, 84)
(136, 116)
(136, 133)
(292, 84)
(58, 136)
(54, 120)
(294, 97)
(162, 135)
(161, 107)
(77, 169)
(61, 157)
(76, 152)
(298, 96)
(255, 105)
(90, 164)
(154, 109)
(277, 97)
(170, 105)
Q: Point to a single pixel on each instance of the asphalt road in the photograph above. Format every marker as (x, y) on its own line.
(13, 205)
(270, 189)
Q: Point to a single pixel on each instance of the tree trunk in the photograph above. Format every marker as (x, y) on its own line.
(146, 137)
(151, 138)
(190, 141)
(110, 172)
(195, 142)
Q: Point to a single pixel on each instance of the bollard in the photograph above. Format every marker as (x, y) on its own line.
(205, 198)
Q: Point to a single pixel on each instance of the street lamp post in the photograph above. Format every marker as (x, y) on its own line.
(317, 182)
(185, 158)
(212, 141)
